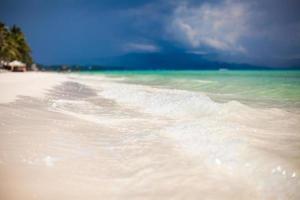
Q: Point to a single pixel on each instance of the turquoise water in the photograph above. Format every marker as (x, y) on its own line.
(260, 88)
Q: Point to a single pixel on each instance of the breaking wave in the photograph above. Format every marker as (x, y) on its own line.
(256, 146)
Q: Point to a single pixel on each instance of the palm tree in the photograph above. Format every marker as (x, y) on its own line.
(23, 51)
(13, 45)
(4, 45)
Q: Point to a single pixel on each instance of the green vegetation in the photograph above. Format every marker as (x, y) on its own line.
(13, 45)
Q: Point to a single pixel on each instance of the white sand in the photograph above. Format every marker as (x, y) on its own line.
(31, 84)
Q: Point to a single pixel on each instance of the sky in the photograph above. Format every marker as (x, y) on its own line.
(261, 32)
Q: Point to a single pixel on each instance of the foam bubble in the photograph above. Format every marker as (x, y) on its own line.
(49, 161)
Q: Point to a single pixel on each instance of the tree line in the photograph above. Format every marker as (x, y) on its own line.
(13, 45)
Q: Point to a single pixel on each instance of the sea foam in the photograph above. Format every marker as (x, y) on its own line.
(231, 138)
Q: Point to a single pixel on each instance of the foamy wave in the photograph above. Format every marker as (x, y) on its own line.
(179, 103)
(204, 81)
(176, 103)
(231, 138)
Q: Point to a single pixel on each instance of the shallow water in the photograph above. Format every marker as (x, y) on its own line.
(155, 135)
(265, 88)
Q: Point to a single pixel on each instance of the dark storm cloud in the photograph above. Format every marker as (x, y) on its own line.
(262, 32)
(257, 31)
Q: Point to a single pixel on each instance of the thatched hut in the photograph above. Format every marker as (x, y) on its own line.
(17, 66)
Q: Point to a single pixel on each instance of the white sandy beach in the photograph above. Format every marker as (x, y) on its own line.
(66, 136)
(33, 84)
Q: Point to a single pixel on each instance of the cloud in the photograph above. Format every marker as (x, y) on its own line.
(219, 26)
(198, 52)
(141, 47)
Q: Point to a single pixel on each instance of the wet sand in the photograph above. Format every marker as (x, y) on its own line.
(51, 148)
